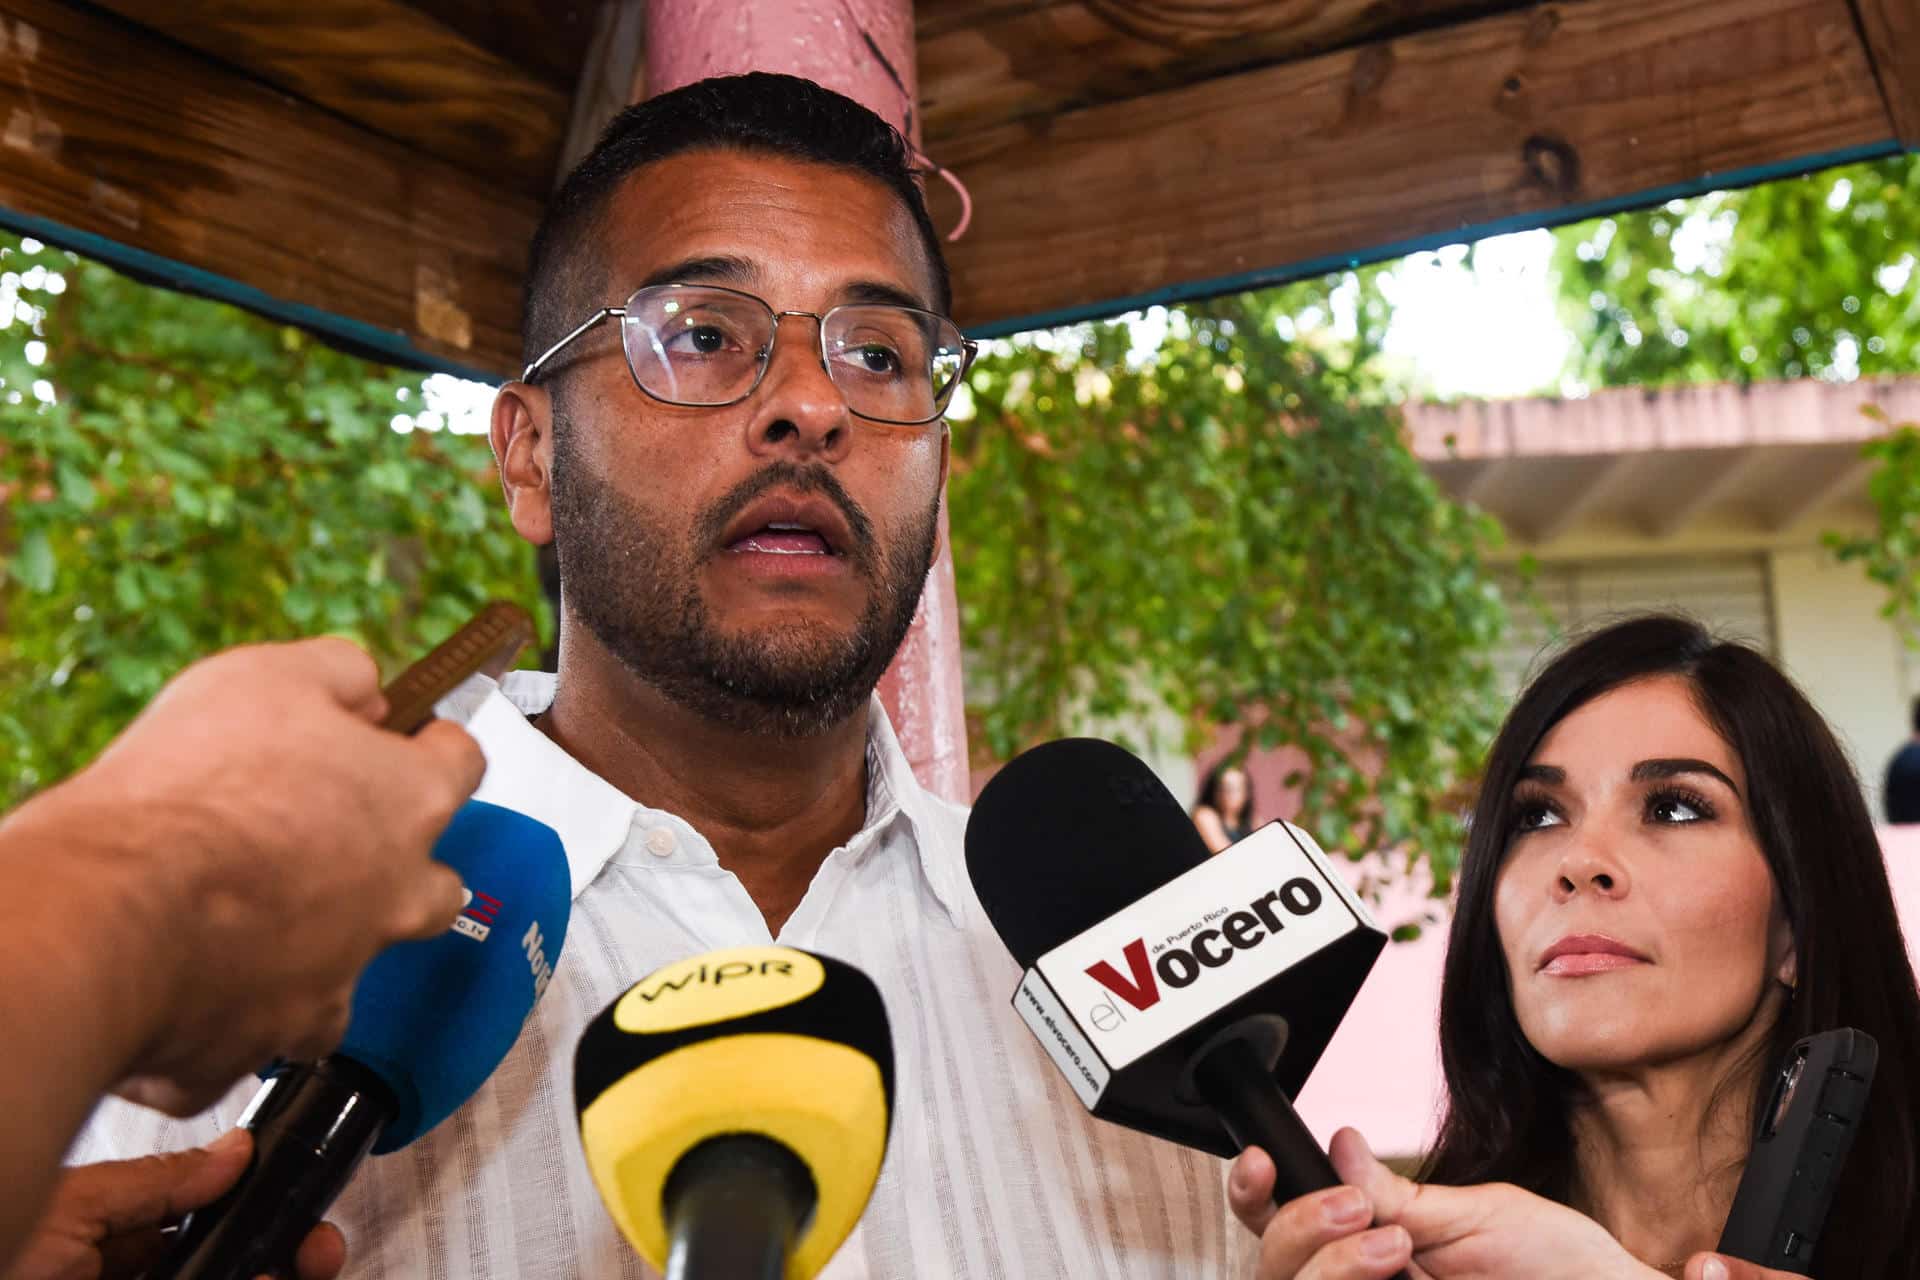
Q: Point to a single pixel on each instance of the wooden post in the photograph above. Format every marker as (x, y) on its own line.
(864, 49)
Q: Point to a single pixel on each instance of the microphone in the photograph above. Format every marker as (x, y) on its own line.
(430, 1022)
(1184, 995)
(734, 1111)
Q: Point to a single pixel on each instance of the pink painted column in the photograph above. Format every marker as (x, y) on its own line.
(827, 41)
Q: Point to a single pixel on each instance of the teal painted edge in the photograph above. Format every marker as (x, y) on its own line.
(356, 336)
(1195, 289)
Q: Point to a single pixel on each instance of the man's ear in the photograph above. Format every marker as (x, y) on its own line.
(522, 435)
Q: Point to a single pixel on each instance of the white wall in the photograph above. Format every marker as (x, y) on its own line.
(1833, 641)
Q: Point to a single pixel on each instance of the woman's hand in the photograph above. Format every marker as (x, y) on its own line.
(1489, 1232)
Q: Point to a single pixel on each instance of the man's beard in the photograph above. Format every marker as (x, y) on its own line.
(640, 597)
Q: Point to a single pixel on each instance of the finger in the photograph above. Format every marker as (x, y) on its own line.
(433, 900)
(1718, 1266)
(1308, 1227)
(1250, 1190)
(130, 1195)
(322, 1254)
(343, 669)
(451, 753)
(1370, 1255)
(180, 1098)
(1357, 1166)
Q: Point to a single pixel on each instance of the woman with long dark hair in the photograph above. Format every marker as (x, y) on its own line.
(1224, 810)
(1670, 877)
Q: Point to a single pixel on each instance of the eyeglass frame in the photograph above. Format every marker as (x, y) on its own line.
(969, 349)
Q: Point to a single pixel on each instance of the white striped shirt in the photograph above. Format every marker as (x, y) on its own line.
(993, 1168)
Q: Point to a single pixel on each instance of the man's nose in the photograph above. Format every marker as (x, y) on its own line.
(799, 412)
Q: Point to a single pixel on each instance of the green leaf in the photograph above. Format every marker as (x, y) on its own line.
(33, 563)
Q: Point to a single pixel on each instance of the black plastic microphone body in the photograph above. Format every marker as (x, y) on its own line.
(734, 1207)
(1256, 1112)
(312, 1125)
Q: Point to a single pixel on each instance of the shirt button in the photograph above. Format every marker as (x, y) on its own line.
(660, 842)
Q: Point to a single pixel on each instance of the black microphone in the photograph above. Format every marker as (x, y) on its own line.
(1183, 995)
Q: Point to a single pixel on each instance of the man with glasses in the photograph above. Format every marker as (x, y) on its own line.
(729, 426)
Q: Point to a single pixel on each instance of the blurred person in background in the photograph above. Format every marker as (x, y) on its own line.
(1224, 809)
(1902, 793)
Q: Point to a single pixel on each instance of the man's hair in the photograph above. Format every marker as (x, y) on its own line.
(759, 112)
(1916, 715)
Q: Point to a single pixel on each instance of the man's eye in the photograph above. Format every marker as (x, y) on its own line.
(877, 359)
(703, 338)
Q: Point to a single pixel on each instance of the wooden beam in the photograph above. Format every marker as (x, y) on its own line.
(1893, 40)
(548, 39)
(1515, 120)
(986, 65)
(133, 148)
(389, 67)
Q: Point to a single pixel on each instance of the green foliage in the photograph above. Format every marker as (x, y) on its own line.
(1891, 555)
(1230, 526)
(1807, 277)
(1810, 277)
(187, 477)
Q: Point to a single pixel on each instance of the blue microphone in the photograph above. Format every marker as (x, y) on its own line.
(430, 1022)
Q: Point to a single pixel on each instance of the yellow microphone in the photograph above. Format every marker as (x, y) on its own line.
(734, 1111)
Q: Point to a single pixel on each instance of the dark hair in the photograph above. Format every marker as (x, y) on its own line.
(1916, 715)
(759, 112)
(1210, 791)
(1507, 1115)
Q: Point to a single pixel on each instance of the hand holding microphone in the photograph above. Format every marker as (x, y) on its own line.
(734, 1111)
(254, 809)
(1183, 995)
(431, 1021)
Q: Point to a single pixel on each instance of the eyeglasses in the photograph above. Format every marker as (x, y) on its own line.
(703, 346)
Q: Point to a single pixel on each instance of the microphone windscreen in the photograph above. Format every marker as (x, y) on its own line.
(1069, 833)
(767, 1041)
(434, 1018)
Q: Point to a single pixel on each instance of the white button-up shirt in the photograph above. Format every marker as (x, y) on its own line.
(993, 1168)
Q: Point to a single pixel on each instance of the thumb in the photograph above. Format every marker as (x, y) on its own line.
(1430, 1213)
(127, 1195)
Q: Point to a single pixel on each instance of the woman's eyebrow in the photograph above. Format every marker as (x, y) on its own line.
(1653, 770)
(1551, 774)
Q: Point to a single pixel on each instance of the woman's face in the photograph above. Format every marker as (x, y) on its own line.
(1638, 917)
(1233, 793)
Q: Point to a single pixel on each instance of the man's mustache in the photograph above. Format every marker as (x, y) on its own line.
(713, 522)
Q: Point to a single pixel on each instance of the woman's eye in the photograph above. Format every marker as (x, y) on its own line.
(1677, 809)
(1535, 817)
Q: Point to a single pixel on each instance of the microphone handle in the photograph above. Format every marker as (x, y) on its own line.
(312, 1124)
(734, 1205)
(1256, 1111)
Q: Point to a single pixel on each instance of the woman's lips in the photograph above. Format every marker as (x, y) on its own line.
(1585, 953)
(1581, 963)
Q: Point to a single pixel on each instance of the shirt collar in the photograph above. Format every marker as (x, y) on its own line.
(528, 772)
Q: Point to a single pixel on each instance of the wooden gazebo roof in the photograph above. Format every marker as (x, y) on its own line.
(374, 168)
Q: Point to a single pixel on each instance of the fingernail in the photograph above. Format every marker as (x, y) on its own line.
(228, 1141)
(1345, 1208)
(1714, 1270)
(1378, 1246)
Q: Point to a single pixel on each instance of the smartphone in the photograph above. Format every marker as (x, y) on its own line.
(1802, 1134)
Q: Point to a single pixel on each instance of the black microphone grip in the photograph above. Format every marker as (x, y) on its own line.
(312, 1125)
(1257, 1113)
(734, 1206)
